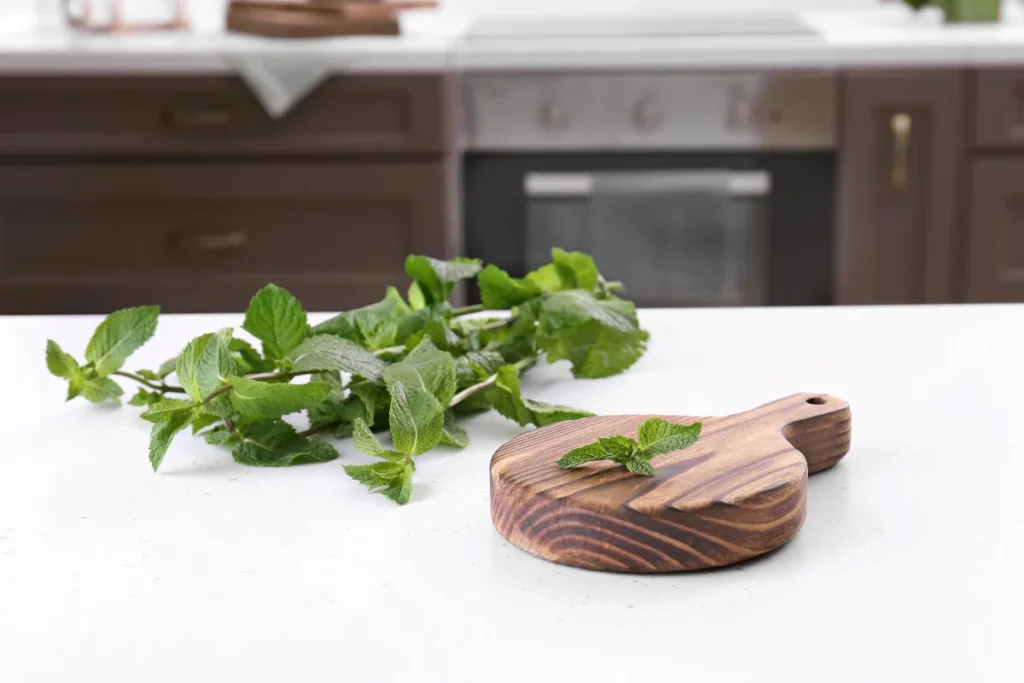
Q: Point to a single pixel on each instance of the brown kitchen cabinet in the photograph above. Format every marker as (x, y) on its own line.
(183, 192)
(89, 238)
(901, 156)
(995, 244)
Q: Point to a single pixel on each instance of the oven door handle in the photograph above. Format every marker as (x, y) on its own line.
(579, 185)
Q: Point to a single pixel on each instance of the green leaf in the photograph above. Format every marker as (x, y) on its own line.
(277, 319)
(201, 420)
(218, 436)
(75, 387)
(275, 443)
(119, 335)
(342, 325)
(390, 479)
(166, 410)
(576, 268)
(506, 395)
(428, 369)
(638, 466)
(148, 374)
(375, 326)
(618, 446)
(163, 433)
(437, 279)
(364, 440)
(100, 389)
(452, 434)
(416, 418)
(205, 364)
(271, 399)
(657, 436)
(599, 337)
(326, 353)
(499, 290)
(578, 456)
(167, 367)
(416, 299)
(59, 363)
(247, 358)
(548, 279)
(144, 398)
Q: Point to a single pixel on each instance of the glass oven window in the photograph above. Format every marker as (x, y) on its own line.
(675, 238)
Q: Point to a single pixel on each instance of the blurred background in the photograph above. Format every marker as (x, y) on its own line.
(750, 153)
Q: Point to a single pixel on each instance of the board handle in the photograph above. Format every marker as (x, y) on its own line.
(817, 425)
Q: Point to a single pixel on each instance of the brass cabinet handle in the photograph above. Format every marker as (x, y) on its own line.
(901, 125)
(228, 241)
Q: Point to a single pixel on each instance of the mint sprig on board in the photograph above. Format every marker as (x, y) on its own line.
(654, 437)
(406, 368)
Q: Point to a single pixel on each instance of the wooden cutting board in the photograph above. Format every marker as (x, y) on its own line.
(739, 492)
(299, 20)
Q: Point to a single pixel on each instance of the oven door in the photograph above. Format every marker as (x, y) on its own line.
(719, 230)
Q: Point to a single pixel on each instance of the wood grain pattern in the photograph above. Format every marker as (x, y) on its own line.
(739, 492)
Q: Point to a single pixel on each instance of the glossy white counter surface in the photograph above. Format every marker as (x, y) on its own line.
(907, 568)
(440, 41)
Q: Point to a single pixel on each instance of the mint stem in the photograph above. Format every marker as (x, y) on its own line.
(466, 310)
(487, 383)
(389, 349)
(163, 388)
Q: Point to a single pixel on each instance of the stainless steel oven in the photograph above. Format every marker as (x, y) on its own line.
(692, 189)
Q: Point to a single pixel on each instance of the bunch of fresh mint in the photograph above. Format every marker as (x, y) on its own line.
(654, 437)
(409, 365)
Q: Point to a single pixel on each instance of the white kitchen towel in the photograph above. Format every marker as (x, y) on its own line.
(280, 80)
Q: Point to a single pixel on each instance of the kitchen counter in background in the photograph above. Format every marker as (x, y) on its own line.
(438, 41)
(212, 571)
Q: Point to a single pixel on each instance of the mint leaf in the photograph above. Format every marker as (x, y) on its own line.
(416, 417)
(201, 420)
(506, 395)
(576, 268)
(59, 363)
(549, 278)
(119, 335)
(247, 358)
(364, 440)
(326, 353)
(390, 479)
(416, 299)
(75, 387)
(437, 279)
(452, 434)
(166, 410)
(342, 325)
(163, 433)
(218, 436)
(618, 446)
(271, 399)
(374, 326)
(144, 398)
(578, 456)
(428, 369)
(167, 367)
(100, 389)
(599, 337)
(657, 436)
(277, 319)
(275, 443)
(499, 290)
(638, 465)
(205, 364)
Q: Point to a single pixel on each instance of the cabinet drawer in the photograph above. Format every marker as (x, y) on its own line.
(999, 108)
(170, 115)
(995, 266)
(194, 238)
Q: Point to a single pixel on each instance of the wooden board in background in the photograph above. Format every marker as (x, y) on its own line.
(281, 22)
(739, 492)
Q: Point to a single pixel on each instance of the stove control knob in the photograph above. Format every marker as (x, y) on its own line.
(554, 116)
(647, 114)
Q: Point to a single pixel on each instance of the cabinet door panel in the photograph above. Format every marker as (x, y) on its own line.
(85, 238)
(995, 269)
(901, 150)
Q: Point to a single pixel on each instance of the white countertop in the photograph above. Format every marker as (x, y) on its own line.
(888, 36)
(907, 567)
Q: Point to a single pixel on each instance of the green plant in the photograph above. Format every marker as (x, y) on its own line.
(654, 437)
(409, 365)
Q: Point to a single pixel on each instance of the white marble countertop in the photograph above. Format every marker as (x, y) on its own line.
(907, 567)
(440, 41)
